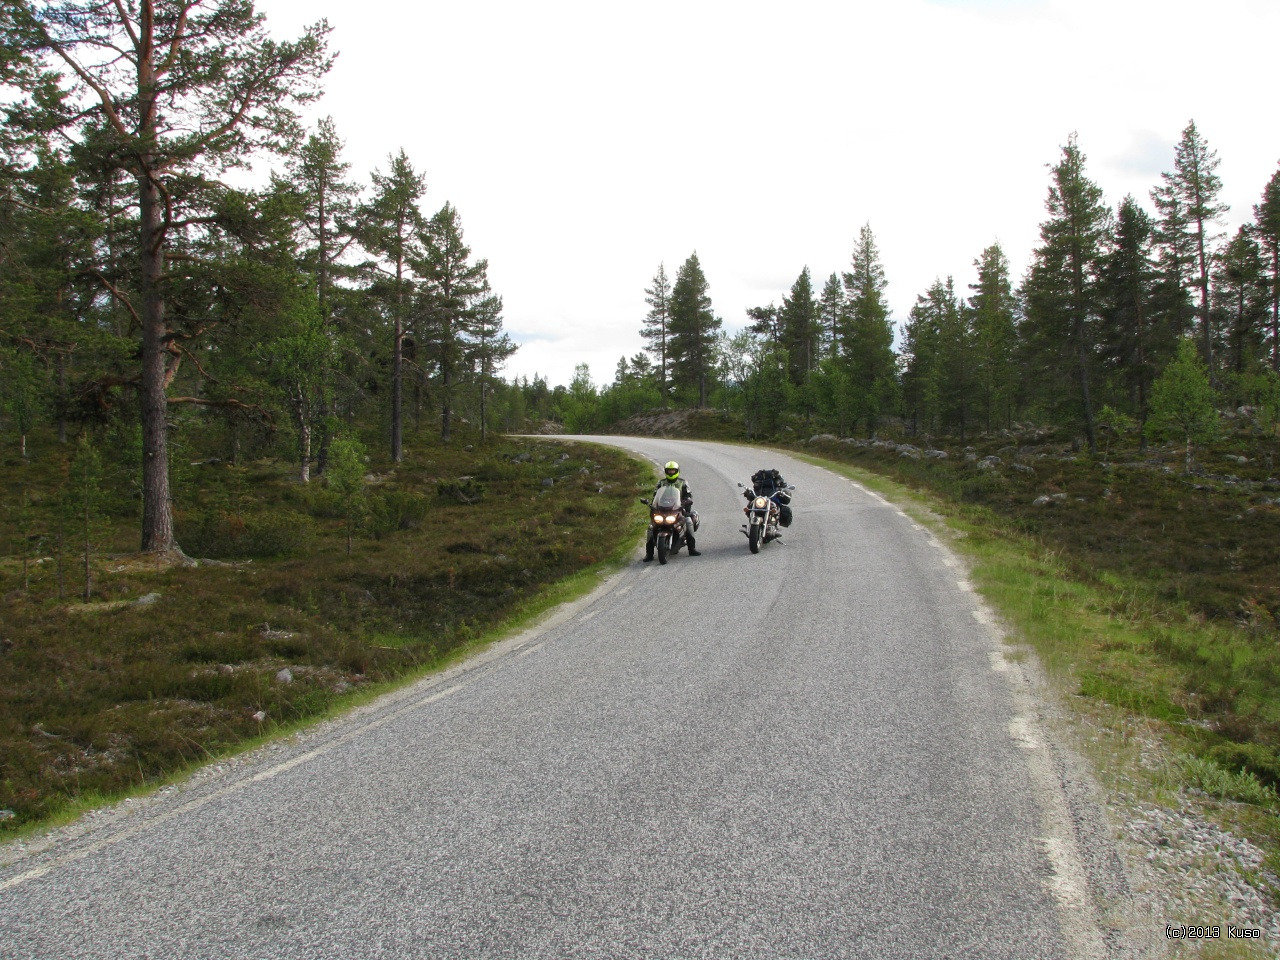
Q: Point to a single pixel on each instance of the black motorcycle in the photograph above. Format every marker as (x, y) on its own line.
(764, 512)
(668, 522)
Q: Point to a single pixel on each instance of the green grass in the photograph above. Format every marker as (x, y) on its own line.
(105, 698)
(1126, 656)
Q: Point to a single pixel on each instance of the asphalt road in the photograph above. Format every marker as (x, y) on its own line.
(813, 752)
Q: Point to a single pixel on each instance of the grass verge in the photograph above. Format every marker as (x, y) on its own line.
(167, 666)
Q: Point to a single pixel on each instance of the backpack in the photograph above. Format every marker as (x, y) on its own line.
(765, 482)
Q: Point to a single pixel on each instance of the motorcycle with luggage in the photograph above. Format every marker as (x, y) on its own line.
(768, 508)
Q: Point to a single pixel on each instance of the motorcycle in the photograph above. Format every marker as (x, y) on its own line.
(668, 522)
(764, 511)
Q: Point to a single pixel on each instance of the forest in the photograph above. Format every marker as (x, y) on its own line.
(1124, 320)
(150, 306)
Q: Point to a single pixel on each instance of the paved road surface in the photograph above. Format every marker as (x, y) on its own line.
(813, 752)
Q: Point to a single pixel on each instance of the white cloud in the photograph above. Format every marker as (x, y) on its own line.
(583, 143)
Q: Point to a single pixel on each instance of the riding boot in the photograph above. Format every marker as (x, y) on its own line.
(693, 550)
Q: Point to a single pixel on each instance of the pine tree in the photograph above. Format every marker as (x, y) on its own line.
(327, 202)
(866, 335)
(1189, 207)
(389, 226)
(179, 89)
(1061, 290)
(693, 328)
(489, 348)
(452, 286)
(1266, 217)
(657, 326)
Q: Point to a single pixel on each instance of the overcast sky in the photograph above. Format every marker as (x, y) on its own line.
(584, 143)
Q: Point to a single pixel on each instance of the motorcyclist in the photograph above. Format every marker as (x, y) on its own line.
(671, 478)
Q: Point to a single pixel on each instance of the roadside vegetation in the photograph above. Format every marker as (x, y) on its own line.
(166, 663)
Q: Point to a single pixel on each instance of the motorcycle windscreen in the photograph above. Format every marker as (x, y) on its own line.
(667, 498)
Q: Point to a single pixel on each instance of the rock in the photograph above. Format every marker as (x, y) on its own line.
(936, 454)
(822, 438)
(146, 600)
(285, 676)
(548, 482)
(1042, 502)
(1022, 468)
(260, 716)
(989, 463)
(908, 451)
(7, 815)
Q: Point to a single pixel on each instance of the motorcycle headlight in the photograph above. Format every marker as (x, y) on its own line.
(671, 519)
(761, 502)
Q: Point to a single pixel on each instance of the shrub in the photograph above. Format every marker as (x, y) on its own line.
(222, 535)
(1263, 762)
(396, 510)
(1215, 781)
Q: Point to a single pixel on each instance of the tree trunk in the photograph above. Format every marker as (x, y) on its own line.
(157, 513)
(397, 371)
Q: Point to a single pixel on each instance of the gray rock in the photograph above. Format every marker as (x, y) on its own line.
(822, 438)
(260, 716)
(1042, 502)
(936, 454)
(285, 676)
(548, 482)
(146, 600)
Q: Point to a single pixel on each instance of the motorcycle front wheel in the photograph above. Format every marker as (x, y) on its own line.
(664, 547)
(753, 538)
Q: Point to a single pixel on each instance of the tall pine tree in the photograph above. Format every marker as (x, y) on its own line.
(179, 91)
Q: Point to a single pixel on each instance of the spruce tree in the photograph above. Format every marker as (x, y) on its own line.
(657, 327)
(994, 309)
(1266, 218)
(1061, 291)
(830, 310)
(1240, 298)
(693, 328)
(1135, 338)
(801, 332)
(866, 335)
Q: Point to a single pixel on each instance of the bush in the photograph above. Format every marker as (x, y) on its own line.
(1254, 758)
(396, 510)
(1243, 786)
(222, 535)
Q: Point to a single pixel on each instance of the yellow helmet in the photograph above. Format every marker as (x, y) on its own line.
(672, 470)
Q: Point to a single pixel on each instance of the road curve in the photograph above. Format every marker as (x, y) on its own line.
(813, 752)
